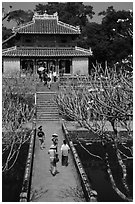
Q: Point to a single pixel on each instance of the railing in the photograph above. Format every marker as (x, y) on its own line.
(25, 192)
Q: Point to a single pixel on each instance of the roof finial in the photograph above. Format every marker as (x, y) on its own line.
(55, 14)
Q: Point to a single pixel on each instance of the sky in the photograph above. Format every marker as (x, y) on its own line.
(97, 7)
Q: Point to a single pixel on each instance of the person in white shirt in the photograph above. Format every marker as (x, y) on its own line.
(65, 151)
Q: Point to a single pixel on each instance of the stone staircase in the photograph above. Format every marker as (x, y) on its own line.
(47, 109)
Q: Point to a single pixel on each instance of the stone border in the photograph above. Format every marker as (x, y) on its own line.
(25, 192)
(90, 194)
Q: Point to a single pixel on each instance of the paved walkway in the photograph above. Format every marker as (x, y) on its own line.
(65, 186)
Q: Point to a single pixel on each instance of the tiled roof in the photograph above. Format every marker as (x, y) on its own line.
(45, 52)
(47, 24)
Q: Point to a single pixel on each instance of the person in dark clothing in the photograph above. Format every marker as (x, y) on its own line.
(41, 136)
(45, 77)
(55, 140)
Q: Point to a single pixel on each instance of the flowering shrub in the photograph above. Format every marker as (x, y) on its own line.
(17, 109)
(97, 101)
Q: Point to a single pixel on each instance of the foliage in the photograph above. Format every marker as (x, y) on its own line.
(20, 16)
(104, 99)
(112, 40)
(6, 33)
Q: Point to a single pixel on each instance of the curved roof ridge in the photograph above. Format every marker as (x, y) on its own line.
(23, 25)
(83, 49)
(76, 28)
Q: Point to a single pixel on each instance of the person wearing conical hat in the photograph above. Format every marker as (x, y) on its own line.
(52, 154)
(55, 140)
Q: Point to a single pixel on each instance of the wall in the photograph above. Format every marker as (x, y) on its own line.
(11, 66)
(80, 65)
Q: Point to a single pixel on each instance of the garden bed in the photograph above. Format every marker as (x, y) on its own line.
(96, 169)
(12, 180)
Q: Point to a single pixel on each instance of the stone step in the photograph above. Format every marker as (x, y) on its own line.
(47, 114)
(46, 92)
(48, 119)
(46, 99)
(52, 112)
(43, 105)
(49, 107)
(44, 109)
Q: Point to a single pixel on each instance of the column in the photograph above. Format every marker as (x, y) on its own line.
(57, 66)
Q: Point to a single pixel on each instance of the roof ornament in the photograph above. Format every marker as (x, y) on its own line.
(45, 16)
(45, 13)
(78, 27)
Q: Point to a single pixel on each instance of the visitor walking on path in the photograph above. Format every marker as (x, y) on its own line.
(40, 73)
(49, 80)
(65, 151)
(54, 75)
(53, 165)
(55, 140)
(41, 136)
(45, 77)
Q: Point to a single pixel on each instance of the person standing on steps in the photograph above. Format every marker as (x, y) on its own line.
(41, 136)
(64, 151)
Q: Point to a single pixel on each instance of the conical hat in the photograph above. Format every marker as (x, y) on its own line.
(53, 147)
(54, 135)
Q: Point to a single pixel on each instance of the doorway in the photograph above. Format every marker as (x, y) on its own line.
(27, 67)
(64, 67)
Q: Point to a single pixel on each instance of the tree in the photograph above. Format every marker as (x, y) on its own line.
(6, 33)
(17, 109)
(118, 26)
(20, 16)
(112, 40)
(74, 13)
(98, 101)
(5, 14)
